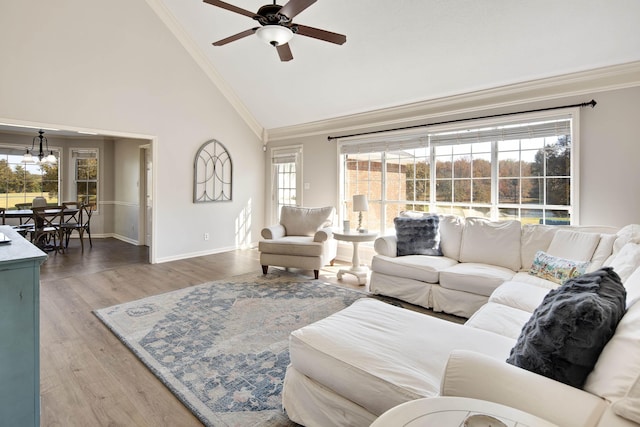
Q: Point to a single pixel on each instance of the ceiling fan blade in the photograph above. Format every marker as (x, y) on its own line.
(235, 37)
(294, 7)
(230, 7)
(317, 33)
(284, 51)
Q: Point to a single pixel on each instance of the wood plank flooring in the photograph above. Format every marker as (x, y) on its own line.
(89, 378)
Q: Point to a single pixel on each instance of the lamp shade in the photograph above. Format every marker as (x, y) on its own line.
(360, 203)
(275, 35)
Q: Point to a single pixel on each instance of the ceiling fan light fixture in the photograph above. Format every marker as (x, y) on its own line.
(275, 35)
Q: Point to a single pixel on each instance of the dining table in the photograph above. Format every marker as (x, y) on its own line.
(28, 213)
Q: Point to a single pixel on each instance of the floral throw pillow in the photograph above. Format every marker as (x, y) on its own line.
(556, 269)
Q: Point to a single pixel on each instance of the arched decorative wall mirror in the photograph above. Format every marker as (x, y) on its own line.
(212, 173)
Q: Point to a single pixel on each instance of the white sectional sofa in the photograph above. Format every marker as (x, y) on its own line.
(349, 368)
(478, 256)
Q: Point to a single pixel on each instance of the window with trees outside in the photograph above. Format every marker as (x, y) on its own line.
(86, 175)
(520, 169)
(21, 182)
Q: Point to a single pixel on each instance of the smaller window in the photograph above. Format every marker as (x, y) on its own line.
(86, 175)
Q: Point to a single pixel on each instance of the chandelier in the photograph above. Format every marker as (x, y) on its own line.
(42, 156)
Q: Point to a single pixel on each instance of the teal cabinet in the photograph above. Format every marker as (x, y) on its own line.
(19, 330)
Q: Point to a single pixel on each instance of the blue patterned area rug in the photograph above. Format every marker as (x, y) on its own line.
(223, 347)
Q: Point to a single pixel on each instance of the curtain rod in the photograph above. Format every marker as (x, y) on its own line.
(591, 103)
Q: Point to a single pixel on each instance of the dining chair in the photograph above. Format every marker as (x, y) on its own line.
(47, 231)
(82, 225)
(2, 215)
(23, 206)
(71, 221)
(39, 201)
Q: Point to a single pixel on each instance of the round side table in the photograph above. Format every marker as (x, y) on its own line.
(452, 412)
(355, 237)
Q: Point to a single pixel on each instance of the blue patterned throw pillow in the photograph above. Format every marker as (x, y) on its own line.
(556, 269)
(418, 236)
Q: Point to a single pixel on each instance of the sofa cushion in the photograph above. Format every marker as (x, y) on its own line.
(573, 245)
(565, 335)
(292, 245)
(418, 236)
(480, 279)
(418, 267)
(494, 243)
(629, 406)
(500, 319)
(451, 227)
(305, 221)
(525, 277)
(556, 269)
(619, 363)
(523, 296)
(366, 344)
(535, 237)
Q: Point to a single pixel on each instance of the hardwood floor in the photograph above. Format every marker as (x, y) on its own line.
(88, 378)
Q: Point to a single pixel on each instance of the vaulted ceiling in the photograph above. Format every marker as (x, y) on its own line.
(400, 52)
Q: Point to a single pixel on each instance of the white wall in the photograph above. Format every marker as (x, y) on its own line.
(114, 66)
(609, 153)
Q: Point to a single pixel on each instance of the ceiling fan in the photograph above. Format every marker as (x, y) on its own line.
(277, 27)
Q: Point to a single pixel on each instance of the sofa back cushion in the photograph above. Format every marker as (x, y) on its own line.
(305, 221)
(451, 227)
(418, 236)
(574, 245)
(565, 335)
(488, 242)
(618, 366)
(535, 237)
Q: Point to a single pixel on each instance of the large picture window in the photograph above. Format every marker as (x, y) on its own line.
(21, 182)
(521, 169)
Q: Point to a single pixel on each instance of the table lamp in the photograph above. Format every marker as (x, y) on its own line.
(360, 204)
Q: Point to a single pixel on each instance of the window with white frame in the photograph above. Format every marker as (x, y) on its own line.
(521, 169)
(20, 182)
(86, 175)
(286, 178)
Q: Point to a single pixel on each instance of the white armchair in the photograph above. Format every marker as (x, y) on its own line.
(303, 239)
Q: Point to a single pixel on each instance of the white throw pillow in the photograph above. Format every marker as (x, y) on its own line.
(626, 261)
(602, 252)
(573, 245)
(490, 242)
(632, 285)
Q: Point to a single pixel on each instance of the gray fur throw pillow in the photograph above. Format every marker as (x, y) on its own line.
(566, 334)
(418, 236)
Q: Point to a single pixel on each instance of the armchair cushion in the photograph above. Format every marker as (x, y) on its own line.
(305, 221)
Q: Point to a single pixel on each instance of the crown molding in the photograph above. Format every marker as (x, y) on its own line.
(189, 44)
(562, 86)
